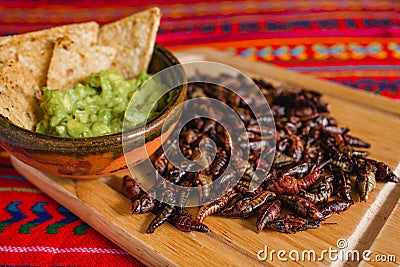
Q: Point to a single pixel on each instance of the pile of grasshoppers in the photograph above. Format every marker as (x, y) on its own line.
(315, 167)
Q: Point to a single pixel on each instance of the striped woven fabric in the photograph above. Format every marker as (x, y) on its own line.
(355, 43)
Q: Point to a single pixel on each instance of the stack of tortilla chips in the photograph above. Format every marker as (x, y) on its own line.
(62, 56)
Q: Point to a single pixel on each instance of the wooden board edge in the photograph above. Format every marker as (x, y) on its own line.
(387, 237)
(372, 222)
(386, 240)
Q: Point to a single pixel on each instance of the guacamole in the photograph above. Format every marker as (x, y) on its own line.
(94, 107)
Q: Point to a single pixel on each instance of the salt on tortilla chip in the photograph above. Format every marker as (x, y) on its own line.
(23, 70)
(72, 63)
(20, 108)
(34, 50)
(133, 37)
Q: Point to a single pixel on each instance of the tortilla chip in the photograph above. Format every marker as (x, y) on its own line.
(23, 70)
(79, 32)
(72, 63)
(34, 50)
(133, 38)
(15, 104)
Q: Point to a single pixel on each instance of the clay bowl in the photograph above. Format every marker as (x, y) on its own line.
(86, 158)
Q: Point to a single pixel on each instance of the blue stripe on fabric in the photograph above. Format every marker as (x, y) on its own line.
(12, 177)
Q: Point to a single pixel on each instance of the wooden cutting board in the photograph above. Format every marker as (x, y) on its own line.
(386, 244)
(234, 242)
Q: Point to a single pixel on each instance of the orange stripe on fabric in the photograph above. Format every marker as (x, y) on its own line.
(357, 73)
(4, 154)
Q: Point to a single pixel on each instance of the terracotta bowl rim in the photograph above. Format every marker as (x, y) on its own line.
(28, 139)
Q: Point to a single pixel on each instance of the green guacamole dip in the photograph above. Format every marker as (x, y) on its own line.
(95, 107)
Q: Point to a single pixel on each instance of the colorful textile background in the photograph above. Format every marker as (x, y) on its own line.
(352, 42)
(355, 43)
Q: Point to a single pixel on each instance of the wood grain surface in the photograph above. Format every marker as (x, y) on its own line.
(234, 242)
(385, 248)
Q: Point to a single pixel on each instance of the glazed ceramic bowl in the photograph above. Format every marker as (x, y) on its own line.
(94, 157)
